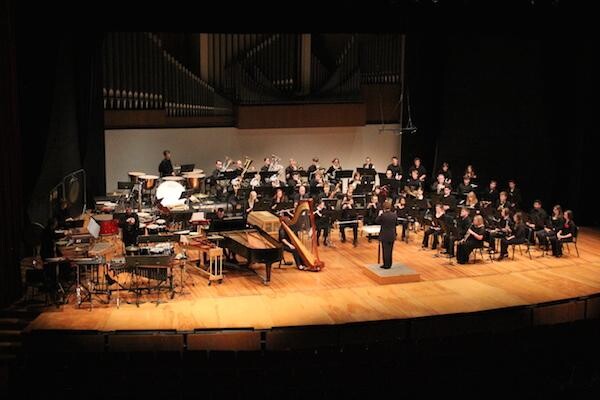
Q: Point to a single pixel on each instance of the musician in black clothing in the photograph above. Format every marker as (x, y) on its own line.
(445, 170)
(165, 168)
(438, 186)
(448, 200)
(465, 187)
(130, 223)
(278, 198)
(48, 243)
(312, 168)
(537, 219)
(491, 195)
(333, 169)
(396, 168)
(503, 203)
(514, 194)
(368, 164)
(266, 164)
(322, 222)
(348, 214)
(503, 228)
(387, 234)
(551, 226)
(63, 214)
(434, 228)
(300, 195)
(413, 183)
(518, 236)
(422, 172)
(211, 181)
(284, 238)
(403, 217)
(566, 233)
(462, 224)
(473, 239)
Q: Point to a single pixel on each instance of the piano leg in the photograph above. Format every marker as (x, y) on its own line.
(268, 271)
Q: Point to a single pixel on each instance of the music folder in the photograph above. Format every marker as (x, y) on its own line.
(187, 168)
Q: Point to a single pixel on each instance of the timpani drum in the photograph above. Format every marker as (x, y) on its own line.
(132, 251)
(148, 181)
(194, 180)
(152, 229)
(135, 175)
(174, 179)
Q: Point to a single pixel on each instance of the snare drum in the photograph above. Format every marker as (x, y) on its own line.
(132, 251)
(152, 229)
(148, 181)
(108, 225)
(134, 176)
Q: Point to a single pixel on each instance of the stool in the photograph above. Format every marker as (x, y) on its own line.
(215, 265)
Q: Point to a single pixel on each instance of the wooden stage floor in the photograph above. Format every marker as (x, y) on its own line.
(343, 293)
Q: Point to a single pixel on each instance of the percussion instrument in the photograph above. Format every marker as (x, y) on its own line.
(108, 225)
(194, 180)
(134, 176)
(173, 178)
(169, 192)
(132, 251)
(148, 181)
(152, 229)
(142, 228)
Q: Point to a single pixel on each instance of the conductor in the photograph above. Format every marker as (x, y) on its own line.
(387, 234)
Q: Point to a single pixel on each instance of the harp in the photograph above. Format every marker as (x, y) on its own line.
(307, 250)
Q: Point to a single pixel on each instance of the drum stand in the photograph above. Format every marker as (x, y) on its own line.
(182, 281)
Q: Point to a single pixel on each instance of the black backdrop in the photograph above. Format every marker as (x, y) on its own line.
(514, 105)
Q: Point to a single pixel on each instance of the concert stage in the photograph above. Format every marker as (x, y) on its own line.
(339, 301)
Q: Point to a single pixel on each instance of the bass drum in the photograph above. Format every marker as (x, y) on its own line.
(169, 192)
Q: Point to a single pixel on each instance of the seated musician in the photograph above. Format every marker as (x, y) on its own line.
(434, 228)
(551, 227)
(290, 248)
(239, 167)
(514, 194)
(331, 171)
(212, 180)
(465, 187)
(381, 194)
(490, 196)
(291, 168)
(396, 168)
(301, 195)
(565, 233)
(129, 225)
(413, 183)
(266, 164)
(473, 239)
(165, 168)
(438, 186)
(346, 215)
(402, 214)
(448, 200)
(313, 168)
(462, 224)
(518, 236)
(503, 228)
(445, 170)
(278, 198)
(372, 212)
(368, 164)
(356, 180)
(251, 202)
(220, 214)
(503, 203)
(294, 179)
(537, 219)
(472, 202)
(421, 171)
(322, 222)
(470, 172)
(48, 239)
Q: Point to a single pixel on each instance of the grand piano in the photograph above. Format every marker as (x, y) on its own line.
(251, 243)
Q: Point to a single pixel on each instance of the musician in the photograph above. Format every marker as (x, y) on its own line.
(387, 234)
(434, 228)
(445, 170)
(438, 186)
(289, 247)
(322, 222)
(470, 172)
(472, 202)
(312, 168)
(301, 195)
(347, 207)
(294, 179)
(220, 214)
(551, 226)
(503, 202)
(266, 164)
(129, 224)
(278, 198)
(503, 228)
(514, 194)
(165, 168)
(368, 164)
(448, 200)
(63, 214)
(518, 236)
(356, 180)
(251, 201)
(373, 208)
(473, 239)
(422, 172)
(402, 214)
(462, 226)
(291, 169)
(465, 187)
(537, 219)
(396, 168)
(48, 243)
(491, 195)
(239, 167)
(565, 233)
(335, 167)
(413, 183)
(214, 177)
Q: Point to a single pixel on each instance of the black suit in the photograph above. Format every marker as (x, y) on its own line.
(387, 235)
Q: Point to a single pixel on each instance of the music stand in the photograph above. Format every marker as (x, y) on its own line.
(229, 175)
(363, 188)
(127, 185)
(450, 231)
(265, 191)
(266, 174)
(249, 175)
(343, 173)
(359, 200)
(330, 204)
(187, 168)
(287, 190)
(367, 171)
